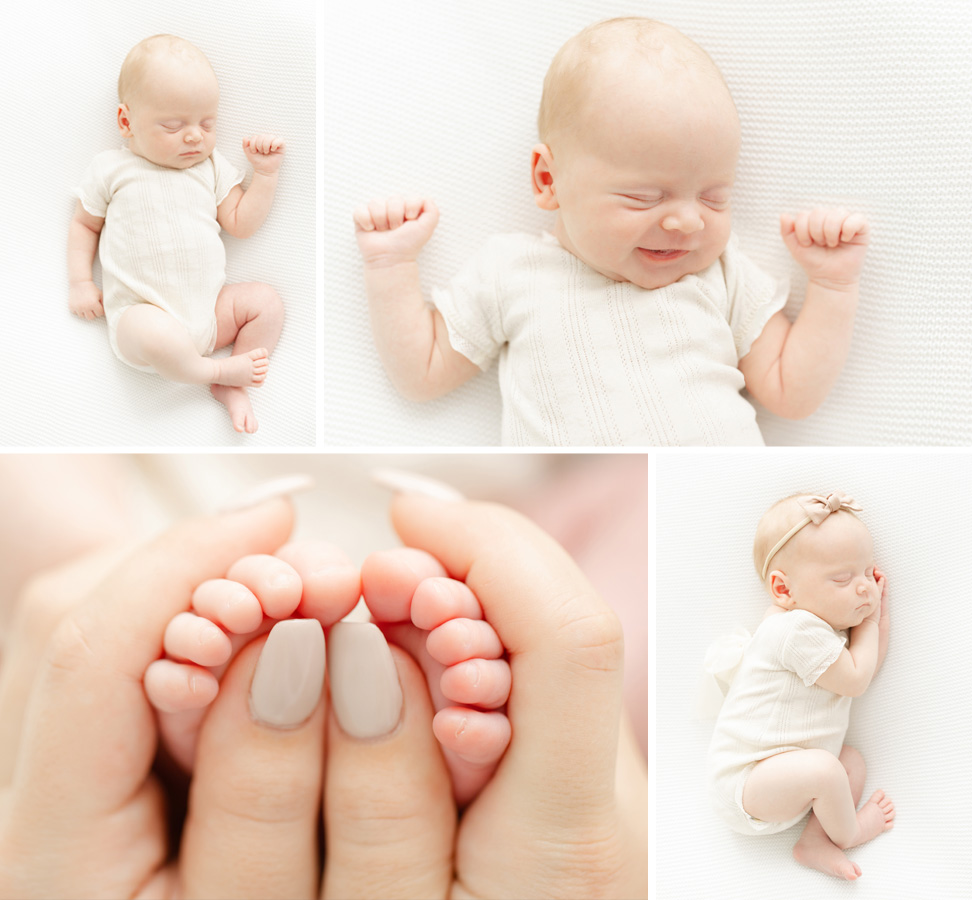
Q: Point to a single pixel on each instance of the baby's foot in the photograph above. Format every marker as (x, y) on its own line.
(242, 370)
(307, 579)
(817, 851)
(440, 622)
(873, 818)
(237, 403)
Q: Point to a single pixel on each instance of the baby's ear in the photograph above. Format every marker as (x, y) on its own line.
(124, 120)
(541, 170)
(779, 589)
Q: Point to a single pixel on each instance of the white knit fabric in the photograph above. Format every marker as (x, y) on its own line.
(63, 386)
(588, 361)
(147, 208)
(864, 105)
(773, 706)
(911, 725)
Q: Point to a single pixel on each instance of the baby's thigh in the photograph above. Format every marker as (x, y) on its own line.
(780, 787)
(240, 303)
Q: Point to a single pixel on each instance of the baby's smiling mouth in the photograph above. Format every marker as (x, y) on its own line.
(662, 255)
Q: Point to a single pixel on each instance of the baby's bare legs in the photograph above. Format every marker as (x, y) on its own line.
(780, 787)
(149, 336)
(817, 851)
(249, 316)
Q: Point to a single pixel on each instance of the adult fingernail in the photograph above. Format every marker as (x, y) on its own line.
(365, 694)
(289, 674)
(402, 482)
(276, 487)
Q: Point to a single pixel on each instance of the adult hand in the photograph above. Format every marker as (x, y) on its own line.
(553, 821)
(81, 813)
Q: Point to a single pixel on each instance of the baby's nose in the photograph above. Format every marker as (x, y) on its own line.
(686, 222)
(193, 135)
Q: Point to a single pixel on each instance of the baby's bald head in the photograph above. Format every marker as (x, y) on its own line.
(151, 58)
(584, 71)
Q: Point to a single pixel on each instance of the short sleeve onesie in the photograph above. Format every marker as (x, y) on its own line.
(774, 705)
(588, 361)
(160, 243)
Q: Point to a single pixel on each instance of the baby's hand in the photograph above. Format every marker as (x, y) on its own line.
(84, 300)
(395, 230)
(265, 153)
(829, 245)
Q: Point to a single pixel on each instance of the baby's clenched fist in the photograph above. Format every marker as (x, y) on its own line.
(265, 153)
(394, 230)
(84, 300)
(829, 244)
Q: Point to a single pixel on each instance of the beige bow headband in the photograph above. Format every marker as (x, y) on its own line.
(817, 509)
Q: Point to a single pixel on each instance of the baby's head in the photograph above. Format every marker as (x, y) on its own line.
(813, 553)
(640, 138)
(168, 98)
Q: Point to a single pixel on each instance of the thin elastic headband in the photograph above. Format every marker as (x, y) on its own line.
(817, 509)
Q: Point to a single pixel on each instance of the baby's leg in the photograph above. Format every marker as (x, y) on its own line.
(149, 336)
(817, 851)
(460, 653)
(310, 579)
(249, 316)
(781, 786)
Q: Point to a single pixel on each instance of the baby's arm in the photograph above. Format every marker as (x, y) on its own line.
(856, 666)
(410, 335)
(242, 212)
(791, 368)
(84, 298)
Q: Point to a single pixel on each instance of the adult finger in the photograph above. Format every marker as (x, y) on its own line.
(564, 643)
(89, 738)
(388, 810)
(255, 799)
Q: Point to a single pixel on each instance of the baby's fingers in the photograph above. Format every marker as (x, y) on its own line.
(854, 228)
(801, 230)
(832, 225)
(173, 687)
(395, 209)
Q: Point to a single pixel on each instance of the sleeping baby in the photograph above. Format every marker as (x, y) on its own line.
(153, 211)
(778, 749)
(638, 320)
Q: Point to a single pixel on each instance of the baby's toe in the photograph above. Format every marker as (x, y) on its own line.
(331, 582)
(437, 600)
(229, 604)
(460, 639)
(478, 738)
(481, 682)
(389, 579)
(173, 687)
(273, 582)
(193, 638)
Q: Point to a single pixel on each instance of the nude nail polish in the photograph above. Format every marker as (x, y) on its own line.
(289, 675)
(284, 486)
(365, 693)
(402, 482)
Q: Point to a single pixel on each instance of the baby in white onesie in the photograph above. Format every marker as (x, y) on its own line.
(637, 321)
(154, 211)
(778, 748)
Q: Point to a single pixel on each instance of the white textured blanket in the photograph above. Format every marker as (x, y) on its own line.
(62, 384)
(864, 105)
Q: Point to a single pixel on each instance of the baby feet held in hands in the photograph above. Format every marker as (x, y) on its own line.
(829, 245)
(395, 230)
(264, 152)
(441, 623)
(308, 579)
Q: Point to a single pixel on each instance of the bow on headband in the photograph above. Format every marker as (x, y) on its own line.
(817, 509)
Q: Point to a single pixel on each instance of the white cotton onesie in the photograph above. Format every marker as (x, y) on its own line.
(587, 361)
(773, 706)
(160, 243)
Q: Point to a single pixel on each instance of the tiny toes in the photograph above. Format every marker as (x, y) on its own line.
(437, 600)
(460, 639)
(479, 738)
(481, 682)
(175, 687)
(272, 581)
(193, 638)
(228, 603)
